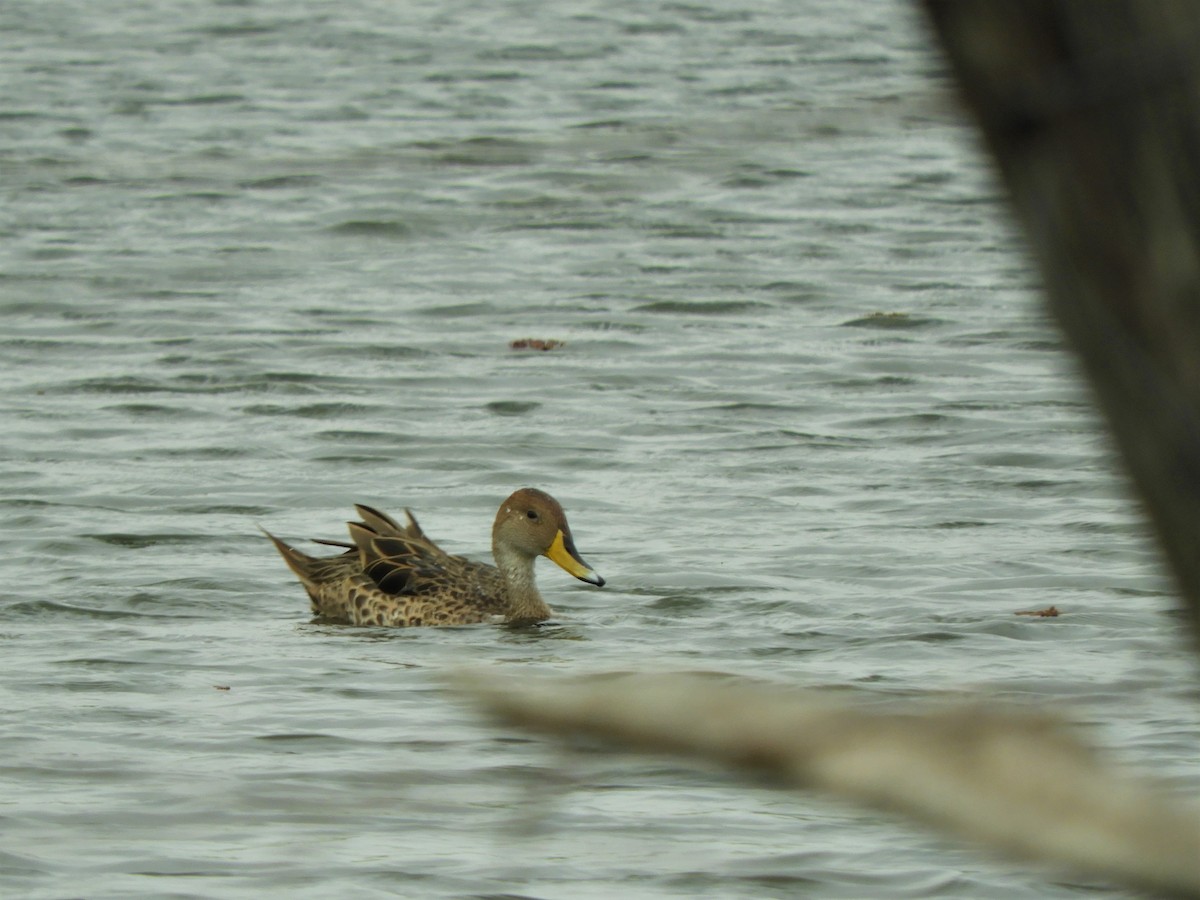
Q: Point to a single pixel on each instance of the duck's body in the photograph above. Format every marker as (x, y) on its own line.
(394, 575)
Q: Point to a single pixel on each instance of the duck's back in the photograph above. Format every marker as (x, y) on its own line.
(395, 575)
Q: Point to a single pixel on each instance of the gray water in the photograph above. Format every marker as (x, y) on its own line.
(262, 260)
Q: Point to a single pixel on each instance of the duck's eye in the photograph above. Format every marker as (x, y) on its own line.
(532, 515)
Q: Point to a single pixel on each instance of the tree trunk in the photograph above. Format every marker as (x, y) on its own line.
(1092, 113)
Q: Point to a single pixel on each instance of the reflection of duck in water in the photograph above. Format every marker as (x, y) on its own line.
(395, 575)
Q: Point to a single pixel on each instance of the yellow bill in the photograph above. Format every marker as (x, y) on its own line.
(563, 552)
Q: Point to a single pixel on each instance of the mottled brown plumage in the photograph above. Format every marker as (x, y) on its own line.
(393, 574)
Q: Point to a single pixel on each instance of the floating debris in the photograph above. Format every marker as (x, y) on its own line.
(535, 344)
(890, 320)
(1049, 612)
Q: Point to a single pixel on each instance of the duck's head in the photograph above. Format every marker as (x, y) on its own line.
(531, 522)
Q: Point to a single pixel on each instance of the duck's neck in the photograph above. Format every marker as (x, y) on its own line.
(525, 604)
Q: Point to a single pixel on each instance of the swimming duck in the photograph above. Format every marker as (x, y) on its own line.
(393, 574)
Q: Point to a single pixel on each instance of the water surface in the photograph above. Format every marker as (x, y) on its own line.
(264, 260)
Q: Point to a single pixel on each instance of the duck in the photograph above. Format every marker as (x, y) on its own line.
(394, 575)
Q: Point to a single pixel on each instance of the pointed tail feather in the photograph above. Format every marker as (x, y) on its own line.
(298, 562)
(328, 542)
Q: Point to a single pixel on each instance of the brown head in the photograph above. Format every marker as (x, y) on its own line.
(531, 522)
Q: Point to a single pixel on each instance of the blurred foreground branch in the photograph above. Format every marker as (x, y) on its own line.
(1018, 781)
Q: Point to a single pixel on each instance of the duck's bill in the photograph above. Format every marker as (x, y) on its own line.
(563, 552)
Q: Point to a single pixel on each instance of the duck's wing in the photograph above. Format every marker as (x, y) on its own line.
(404, 565)
(385, 526)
